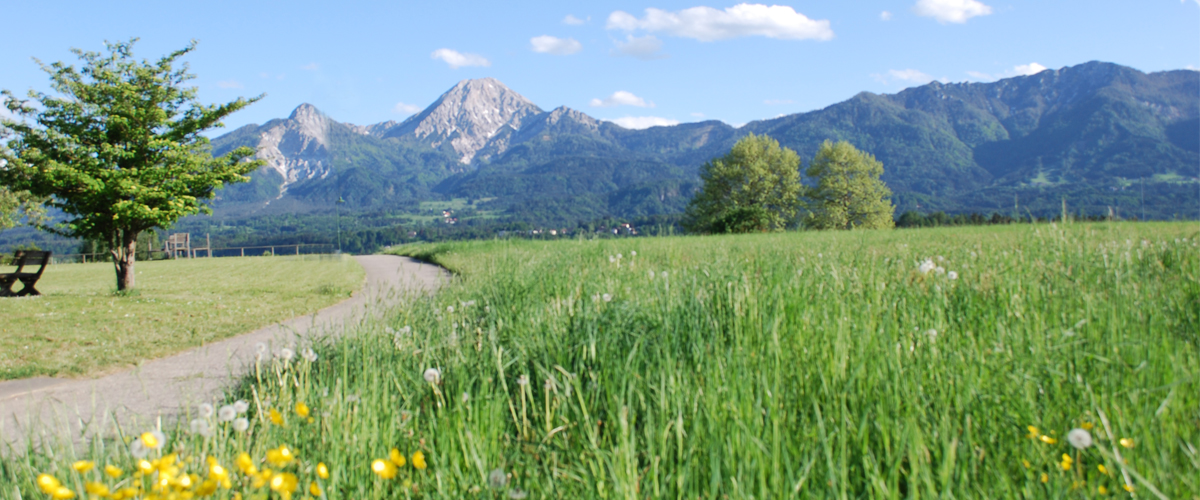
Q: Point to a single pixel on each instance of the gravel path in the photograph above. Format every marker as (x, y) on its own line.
(138, 397)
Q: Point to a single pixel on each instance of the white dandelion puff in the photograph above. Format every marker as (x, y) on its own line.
(137, 449)
(309, 355)
(200, 427)
(633, 253)
(663, 275)
(449, 309)
(433, 375)
(206, 410)
(286, 354)
(1079, 438)
(611, 259)
(952, 275)
(227, 413)
(241, 424)
(523, 380)
(497, 478)
(931, 333)
(651, 274)
(241, 406)
(606, 297)
(466, 397)
(940, 270)
(926, 266)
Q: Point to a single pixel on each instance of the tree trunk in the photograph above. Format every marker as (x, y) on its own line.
(124, 254)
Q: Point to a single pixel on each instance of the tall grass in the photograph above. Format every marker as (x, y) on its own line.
(765, 366)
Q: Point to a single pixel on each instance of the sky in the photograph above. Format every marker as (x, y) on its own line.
(636, 63)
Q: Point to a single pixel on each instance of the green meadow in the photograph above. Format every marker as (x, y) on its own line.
(877, 364)
(80, 327)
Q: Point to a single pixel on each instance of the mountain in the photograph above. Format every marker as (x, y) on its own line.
(1084, 132)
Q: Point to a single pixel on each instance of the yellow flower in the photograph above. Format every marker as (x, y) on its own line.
(127, 493)
(1025, 463)
(302, 410)
(1102, 490)
(1102, 469)
(48, 483)
(62, 493)
(1128, 487)
(1033, 432)
(418, 460)
(1087, 426)
(281, 456)
(208, 487)
(113, 471)
(322, 471)
(383, 468)
(83, 466)
(95, 488)
(276, 417)
(396, 457)
(1048, 439)
(1066, 462)
(1126, 442)
(150, 440)
(314, 489)
(145, 467)
(246, 465)
(1045, 477)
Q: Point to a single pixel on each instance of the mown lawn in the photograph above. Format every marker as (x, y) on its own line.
(80, 327)
(808, 365)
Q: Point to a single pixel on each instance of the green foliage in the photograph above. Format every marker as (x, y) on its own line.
(848, 193)
(122, 151)
(18, 206)
(754, 188)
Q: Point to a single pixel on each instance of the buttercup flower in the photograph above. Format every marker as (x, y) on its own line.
(83, 466)
(276, 417)
(396, 457)
(302, 410)
(383, 468)
(418, 460)
(1126, 442)
(113, 471)
(322, 471)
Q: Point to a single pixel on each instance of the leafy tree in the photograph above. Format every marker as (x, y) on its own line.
(848, 193)
(755, 187)
(16, 206)
(120, 152)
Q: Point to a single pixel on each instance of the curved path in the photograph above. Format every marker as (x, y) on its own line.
(160, 388)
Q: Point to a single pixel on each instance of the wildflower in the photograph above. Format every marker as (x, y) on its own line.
(651, 274)
(1045, 477)
(1079, 438)
(322, 471)
(200, 426)
(96, 489)
(418, 460)
(276, 417)
(62, 493)
(523, 380)
(83, 466)
(206, 410)
(1033, 432)
(241, 406)
(302, 410)
(952, 275)
(1102, 490)
(383, 469)
(663, 275)
(497, 479)
(940, 270)
(281, 456)
(926, 266)
(314, 489)
(1087, 426)
(433, 375)
(619, 256)
(241, 424)
(113, 471)
(245, 464)
(259, 350)
(227, 413)
(396, 457)
(606, 297)
(1066, 462)
(1128, 487)
(931, 333)
(1126, 442)
(309, 355)
(144, 466)
(286, 354)
(1025, 463)
(449, 309)
(466, 397)
(47, 483)
(611, 259)
(1102, 469)
(153, 439)
(633, 253)
(284, 484)
(1048, 439)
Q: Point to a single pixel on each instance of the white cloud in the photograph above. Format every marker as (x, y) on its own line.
(885, 15)
(311, 67)
(1193, 68)
(641, 122)
(904, 76)
(777, 102)
(951, 11)
(621, 98)
(1029, 69)
(708, 24)
(458, 59)
(229, 84)
(642, 47)
(574, 21)
(405, 108)
(547, 44)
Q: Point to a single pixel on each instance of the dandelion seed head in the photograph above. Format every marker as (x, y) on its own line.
(940, 270)
(497, 479)
(952, 275)
(241, 406)
(286, 354)
(606, 297)
(619, 256)
(517, 494)
(611, 259)
(309, 355)
(466, 397)
(227, 413)
(433, 375)
(240, 424)
(449, 309)
(926, 266)
(1079, 438)
(200, 427)
(633, 253)
(206, 410)
(260, 347)
(663, 275)
(137, 449)
(523, 380)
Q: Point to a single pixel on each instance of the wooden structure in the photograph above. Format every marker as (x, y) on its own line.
(178, 242)
(207, 248)
(22, 258)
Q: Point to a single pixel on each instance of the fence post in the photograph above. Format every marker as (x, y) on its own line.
(297, 249)
(243, 251)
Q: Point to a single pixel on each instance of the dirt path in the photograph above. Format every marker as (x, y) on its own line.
(160, 388)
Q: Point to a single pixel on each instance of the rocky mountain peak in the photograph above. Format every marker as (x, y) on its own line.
(468, 116)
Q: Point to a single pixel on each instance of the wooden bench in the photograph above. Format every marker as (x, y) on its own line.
(22, 258)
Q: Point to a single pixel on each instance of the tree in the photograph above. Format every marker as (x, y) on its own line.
(755, 187)
(120, 152)
(16, 206)
(848, 193)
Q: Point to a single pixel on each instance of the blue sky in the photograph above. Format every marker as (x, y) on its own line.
(633, 62)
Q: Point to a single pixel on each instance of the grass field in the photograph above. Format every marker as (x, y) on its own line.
(891, 364)
(78, 326)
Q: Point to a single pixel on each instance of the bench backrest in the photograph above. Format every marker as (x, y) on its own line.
(22, 258)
